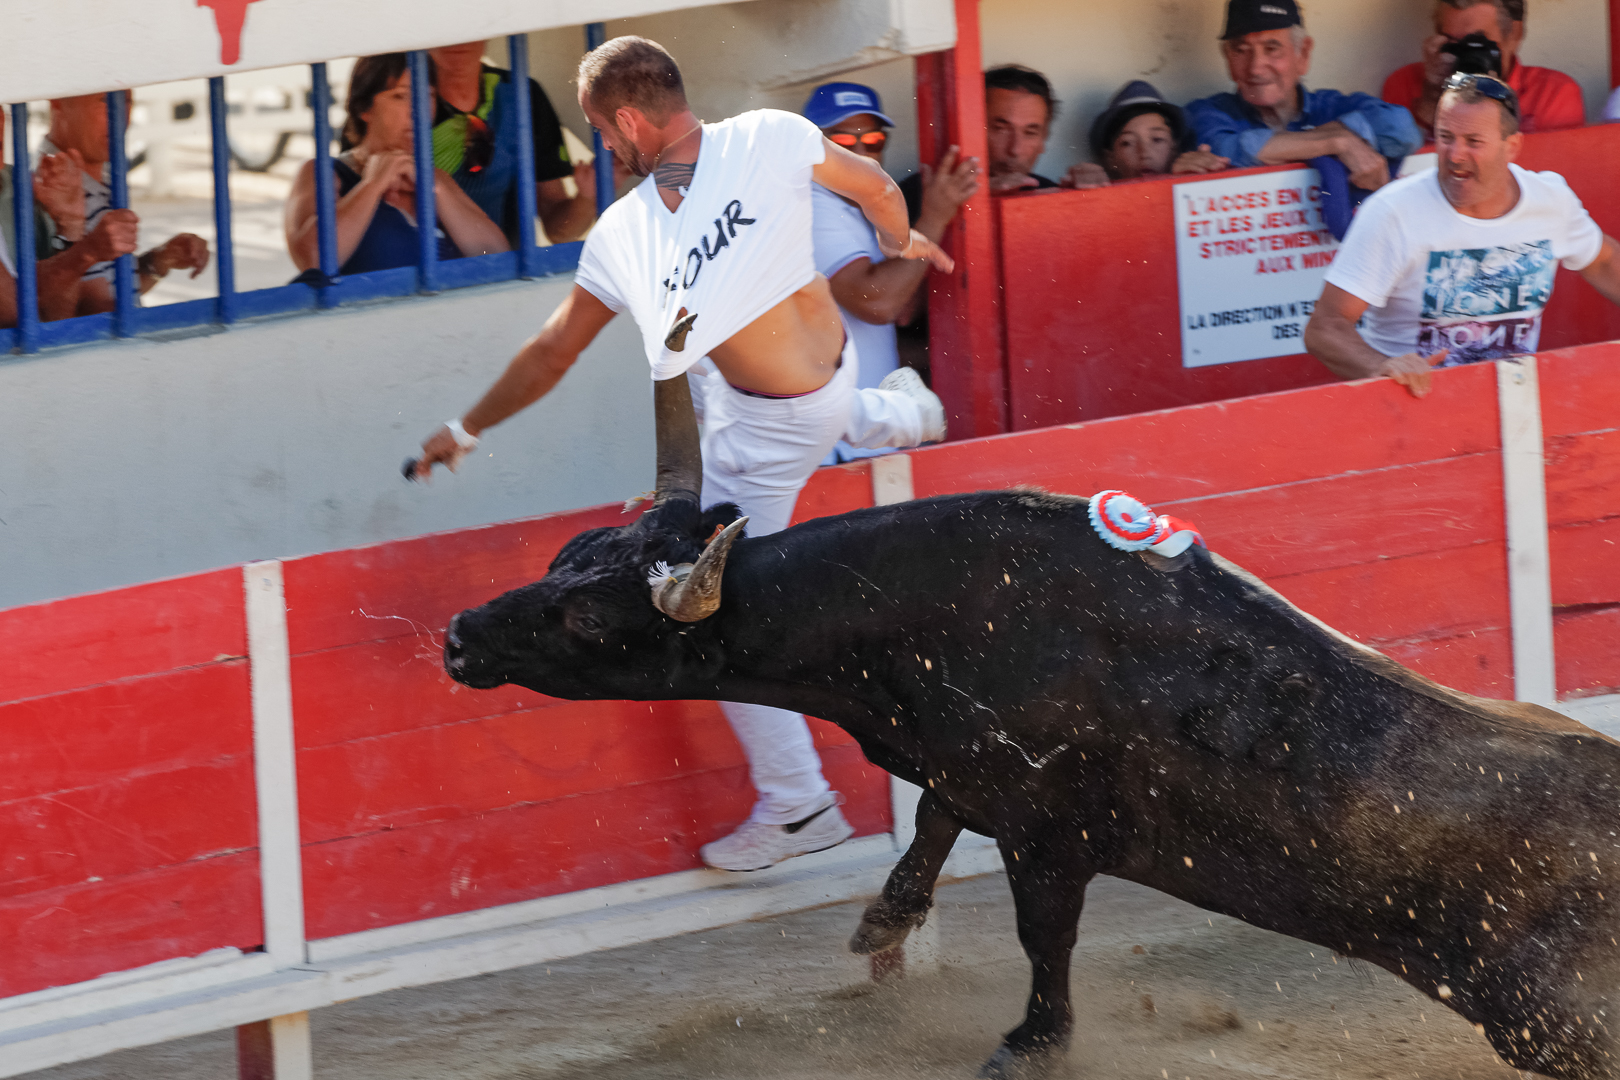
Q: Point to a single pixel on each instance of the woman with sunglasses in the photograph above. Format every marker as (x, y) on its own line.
(376, 175)
(873, 292)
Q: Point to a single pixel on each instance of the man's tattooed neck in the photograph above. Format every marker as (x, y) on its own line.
(674, 175)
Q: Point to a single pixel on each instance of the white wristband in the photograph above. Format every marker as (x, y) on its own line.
(463, 440)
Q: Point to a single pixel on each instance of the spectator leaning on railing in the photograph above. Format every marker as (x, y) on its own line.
(79, 130)
(376, 181)
(1456, 264)
(1139, 135)
(475, 141)
(1548, 99)
(1272, 119)
(62, 249)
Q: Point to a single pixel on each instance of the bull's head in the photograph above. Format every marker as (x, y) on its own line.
(608, 618)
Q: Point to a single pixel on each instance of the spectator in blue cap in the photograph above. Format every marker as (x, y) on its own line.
(1273, 118)
(874, 292)
(1141, 134)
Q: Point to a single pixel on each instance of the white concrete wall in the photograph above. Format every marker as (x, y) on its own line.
(133, 460)
(63, 47)
(769, 54)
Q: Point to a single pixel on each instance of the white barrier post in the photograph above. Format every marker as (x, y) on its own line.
(1524, 489)
(279, 1048)
(275, 1049)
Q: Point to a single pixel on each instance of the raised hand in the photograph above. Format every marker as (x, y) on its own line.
(115, 234)
(185, 251)
(60, 193)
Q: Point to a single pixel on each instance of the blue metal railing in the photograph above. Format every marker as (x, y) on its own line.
(595, 34)
(224, 249)
(428, 275)
(124, 267)
(517, 59)
(22, 205)
(427, 221)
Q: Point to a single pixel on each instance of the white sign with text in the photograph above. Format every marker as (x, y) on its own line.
(1251, 253)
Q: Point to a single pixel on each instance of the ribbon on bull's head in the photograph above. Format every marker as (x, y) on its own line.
(1126, 523)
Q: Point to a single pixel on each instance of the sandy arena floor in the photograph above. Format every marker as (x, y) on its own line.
(1162, 990)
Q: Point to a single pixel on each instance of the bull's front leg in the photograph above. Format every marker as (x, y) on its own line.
(1048, 875)
(909, 892)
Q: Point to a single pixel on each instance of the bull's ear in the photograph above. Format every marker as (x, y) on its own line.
(718, 517)
(697, 594)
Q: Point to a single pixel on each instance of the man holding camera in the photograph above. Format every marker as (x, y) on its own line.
(1482, 37)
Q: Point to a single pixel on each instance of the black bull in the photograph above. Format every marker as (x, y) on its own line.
(1172, 722)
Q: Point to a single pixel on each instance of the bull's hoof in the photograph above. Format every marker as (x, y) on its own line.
(883, 928)
(1008, 1064)
(871, 938)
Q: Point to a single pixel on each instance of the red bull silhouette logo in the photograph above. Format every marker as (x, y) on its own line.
(229, 17)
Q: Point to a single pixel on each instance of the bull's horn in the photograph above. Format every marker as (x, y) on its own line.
(680, 460)
(695, 594)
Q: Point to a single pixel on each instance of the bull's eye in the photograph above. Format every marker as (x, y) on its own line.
(587, 624)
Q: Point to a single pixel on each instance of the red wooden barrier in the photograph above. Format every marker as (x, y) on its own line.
(1092, 309)
(127, 829)
(420, 798)
(127, 824)
(1580, 401)
(1348, 499)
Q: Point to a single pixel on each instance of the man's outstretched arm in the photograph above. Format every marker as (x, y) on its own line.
(538, 366)
(868, 186)
(1604, 271)
(1331, 336)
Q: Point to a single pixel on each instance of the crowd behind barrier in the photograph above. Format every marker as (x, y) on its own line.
(488, 139)
(500, 124)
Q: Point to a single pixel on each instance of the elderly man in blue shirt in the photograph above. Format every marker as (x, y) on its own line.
(1273, 119)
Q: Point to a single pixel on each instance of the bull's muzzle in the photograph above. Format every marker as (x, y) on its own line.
(462, 665)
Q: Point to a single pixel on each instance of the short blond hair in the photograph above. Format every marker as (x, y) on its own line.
(633, 71)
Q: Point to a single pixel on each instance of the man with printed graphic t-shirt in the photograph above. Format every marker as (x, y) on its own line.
(1456, 264)
(713, 259)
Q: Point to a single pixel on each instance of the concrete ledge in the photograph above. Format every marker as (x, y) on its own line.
(190, 997)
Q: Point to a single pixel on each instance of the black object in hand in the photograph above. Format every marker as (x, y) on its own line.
(409, 468)
(1476, 55)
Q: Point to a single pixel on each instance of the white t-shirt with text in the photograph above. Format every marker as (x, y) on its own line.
(1437, 279)
(738, 244)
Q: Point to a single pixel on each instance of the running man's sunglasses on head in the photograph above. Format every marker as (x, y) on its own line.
(872, 140)
(1495, 89)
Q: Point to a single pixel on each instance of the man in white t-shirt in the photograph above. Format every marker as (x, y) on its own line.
(874, 292)
(1456, 265)
(712, 258)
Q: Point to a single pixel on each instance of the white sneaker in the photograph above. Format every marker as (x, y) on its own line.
(906, 381)
(756, 845)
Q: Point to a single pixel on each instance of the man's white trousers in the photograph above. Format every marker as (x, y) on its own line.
(758, 453)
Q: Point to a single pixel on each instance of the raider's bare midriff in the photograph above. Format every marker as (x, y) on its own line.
(791, 349)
